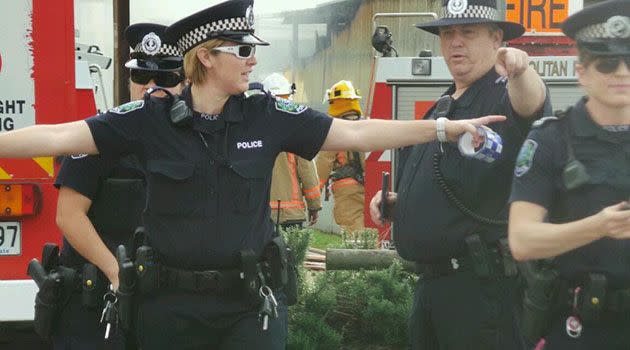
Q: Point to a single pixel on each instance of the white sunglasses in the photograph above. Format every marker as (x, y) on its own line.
(240, 51)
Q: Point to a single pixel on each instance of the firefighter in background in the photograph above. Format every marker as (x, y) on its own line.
(294, 178)
(344, 170)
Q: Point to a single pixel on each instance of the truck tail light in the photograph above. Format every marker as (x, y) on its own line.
(19, 200)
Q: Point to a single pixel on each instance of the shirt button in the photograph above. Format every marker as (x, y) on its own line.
(213, 193)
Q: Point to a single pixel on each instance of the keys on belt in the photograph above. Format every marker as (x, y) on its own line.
(269, 306)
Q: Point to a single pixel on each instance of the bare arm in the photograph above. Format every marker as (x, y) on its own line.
(72, 219)
(526, 89)
(531, 238)
(48, 140)
(376, 134)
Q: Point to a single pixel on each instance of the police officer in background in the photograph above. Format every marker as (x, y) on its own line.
(214, 273)
(345, 169)
(450, 210)
(294, 178)
(101, 199)
(571, 189)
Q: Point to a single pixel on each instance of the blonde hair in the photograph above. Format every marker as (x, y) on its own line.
(193, 68)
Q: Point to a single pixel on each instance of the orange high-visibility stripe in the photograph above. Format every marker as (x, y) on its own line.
(312, 193)
(286, 205)
(344, 183)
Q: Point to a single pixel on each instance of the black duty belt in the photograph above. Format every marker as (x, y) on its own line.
(442, 268)
(210, 281)
(616, 300)
(492, 263)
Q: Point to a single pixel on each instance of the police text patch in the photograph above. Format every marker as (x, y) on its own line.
(289, 106)
(128, 107)
(525, 157)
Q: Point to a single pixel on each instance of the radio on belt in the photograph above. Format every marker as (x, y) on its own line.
(488, 151)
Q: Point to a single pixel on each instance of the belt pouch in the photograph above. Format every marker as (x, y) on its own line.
(592, 298)
(480, 256)
(147, 268)
(91, 284)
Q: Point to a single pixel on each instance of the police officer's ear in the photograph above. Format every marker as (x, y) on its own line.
(204, 56)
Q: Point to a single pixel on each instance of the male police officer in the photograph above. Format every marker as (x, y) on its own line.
(100, 200)
(344, 169)
(294, 178)
(448, 208)
(570, 193)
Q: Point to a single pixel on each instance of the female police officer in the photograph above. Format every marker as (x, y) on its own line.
(97, 214)
(575, 171)
(208, 160)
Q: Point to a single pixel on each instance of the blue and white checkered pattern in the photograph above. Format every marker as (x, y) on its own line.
(202, 33)
(472, 11)
(492, 147)
(165, 50)
(617, 27)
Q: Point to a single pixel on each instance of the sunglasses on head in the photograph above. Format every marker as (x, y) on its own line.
(607, 65)
(160, 78)
(240, 51)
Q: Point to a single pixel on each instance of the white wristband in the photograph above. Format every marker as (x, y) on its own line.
(441, 130)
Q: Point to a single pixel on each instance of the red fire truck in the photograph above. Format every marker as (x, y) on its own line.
(43, 80)
(405, 88)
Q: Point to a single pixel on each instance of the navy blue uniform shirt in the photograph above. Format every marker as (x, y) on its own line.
(428, 226)
(606, 156)
(88, 175)
(202, 211)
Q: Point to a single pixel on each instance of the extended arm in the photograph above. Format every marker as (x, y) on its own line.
(48, 140)
(526, 89)
(376, 134)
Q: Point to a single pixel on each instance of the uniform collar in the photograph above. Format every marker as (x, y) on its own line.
(467, 98)
(232, 111)
(583, 125)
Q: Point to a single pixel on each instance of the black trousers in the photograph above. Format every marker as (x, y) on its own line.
(461, 311)
(80, 328)
(175, 319)
(612, 333)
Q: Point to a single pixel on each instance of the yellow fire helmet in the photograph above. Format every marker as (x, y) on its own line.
(343, 98)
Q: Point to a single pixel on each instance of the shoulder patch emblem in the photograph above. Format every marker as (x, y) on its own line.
(128, 107)
(525, 157)
(289, 106)
(540, 122)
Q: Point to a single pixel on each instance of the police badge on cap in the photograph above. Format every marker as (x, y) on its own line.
(151, 49)
(151, 44)
(602, 29)
(457, 12)
(231, 20)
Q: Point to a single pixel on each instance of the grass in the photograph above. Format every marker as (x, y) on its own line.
(323, 240)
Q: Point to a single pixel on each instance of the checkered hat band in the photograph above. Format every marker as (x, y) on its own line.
(165, 50)
(200, 34)
(472, 11)
(595, 31)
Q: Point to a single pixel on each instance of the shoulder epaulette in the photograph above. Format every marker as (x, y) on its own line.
(542, 121)
(254, 89)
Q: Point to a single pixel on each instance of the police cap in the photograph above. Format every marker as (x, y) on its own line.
(460, 12)
(601, 29)
(231, 20)
(151, 49)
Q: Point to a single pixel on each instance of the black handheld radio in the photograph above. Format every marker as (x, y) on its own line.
(384, 195)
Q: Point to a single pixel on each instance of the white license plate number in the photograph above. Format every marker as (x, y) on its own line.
(10, 238)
